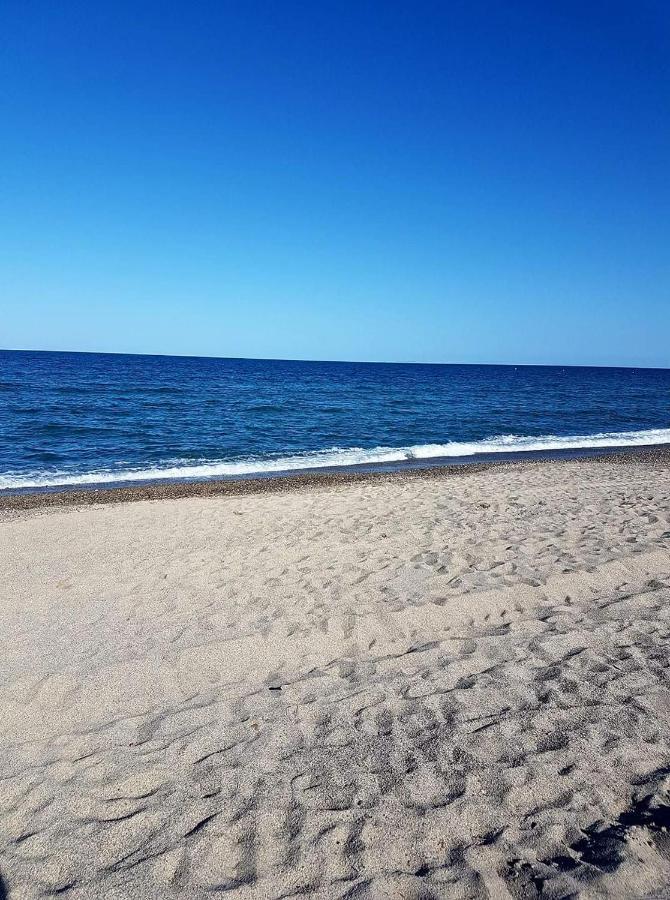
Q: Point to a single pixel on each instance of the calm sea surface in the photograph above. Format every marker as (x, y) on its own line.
(70, 418)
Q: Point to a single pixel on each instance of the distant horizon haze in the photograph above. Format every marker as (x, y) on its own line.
(362, 362)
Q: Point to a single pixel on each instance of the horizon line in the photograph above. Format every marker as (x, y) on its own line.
(360, 362)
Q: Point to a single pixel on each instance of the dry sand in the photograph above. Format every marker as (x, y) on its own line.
(412, 687)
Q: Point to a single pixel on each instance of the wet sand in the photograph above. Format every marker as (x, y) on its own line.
(174, 490)
(441, 684)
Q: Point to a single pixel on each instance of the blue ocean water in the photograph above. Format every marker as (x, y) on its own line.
(71, 418)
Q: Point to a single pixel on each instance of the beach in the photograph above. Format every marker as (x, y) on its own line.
(451, 683)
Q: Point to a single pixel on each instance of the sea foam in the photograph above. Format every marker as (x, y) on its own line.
(334, 457)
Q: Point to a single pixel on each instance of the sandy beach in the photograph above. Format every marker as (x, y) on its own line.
(452, 684)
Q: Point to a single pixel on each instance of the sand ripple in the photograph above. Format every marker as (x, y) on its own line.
(409, 689)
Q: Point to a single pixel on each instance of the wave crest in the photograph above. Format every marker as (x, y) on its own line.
(335, 457)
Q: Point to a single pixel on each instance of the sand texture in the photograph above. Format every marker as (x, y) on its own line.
(403, 688)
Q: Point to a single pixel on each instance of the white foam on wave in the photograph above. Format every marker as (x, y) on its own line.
(335, 457)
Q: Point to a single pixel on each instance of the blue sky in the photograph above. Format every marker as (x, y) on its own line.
(448, 182)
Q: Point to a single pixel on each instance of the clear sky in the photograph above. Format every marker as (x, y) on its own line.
(450, 182)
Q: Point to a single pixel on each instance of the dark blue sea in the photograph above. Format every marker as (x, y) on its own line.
(76, 418)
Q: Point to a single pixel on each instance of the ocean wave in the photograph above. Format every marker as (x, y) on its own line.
(335, 457)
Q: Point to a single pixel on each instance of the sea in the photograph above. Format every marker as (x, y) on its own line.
(72, 419)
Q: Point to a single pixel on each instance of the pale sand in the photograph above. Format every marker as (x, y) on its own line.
(402, 687)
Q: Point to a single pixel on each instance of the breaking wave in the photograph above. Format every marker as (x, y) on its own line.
(334, 457)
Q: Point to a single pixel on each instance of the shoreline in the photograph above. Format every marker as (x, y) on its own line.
(41, 498)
